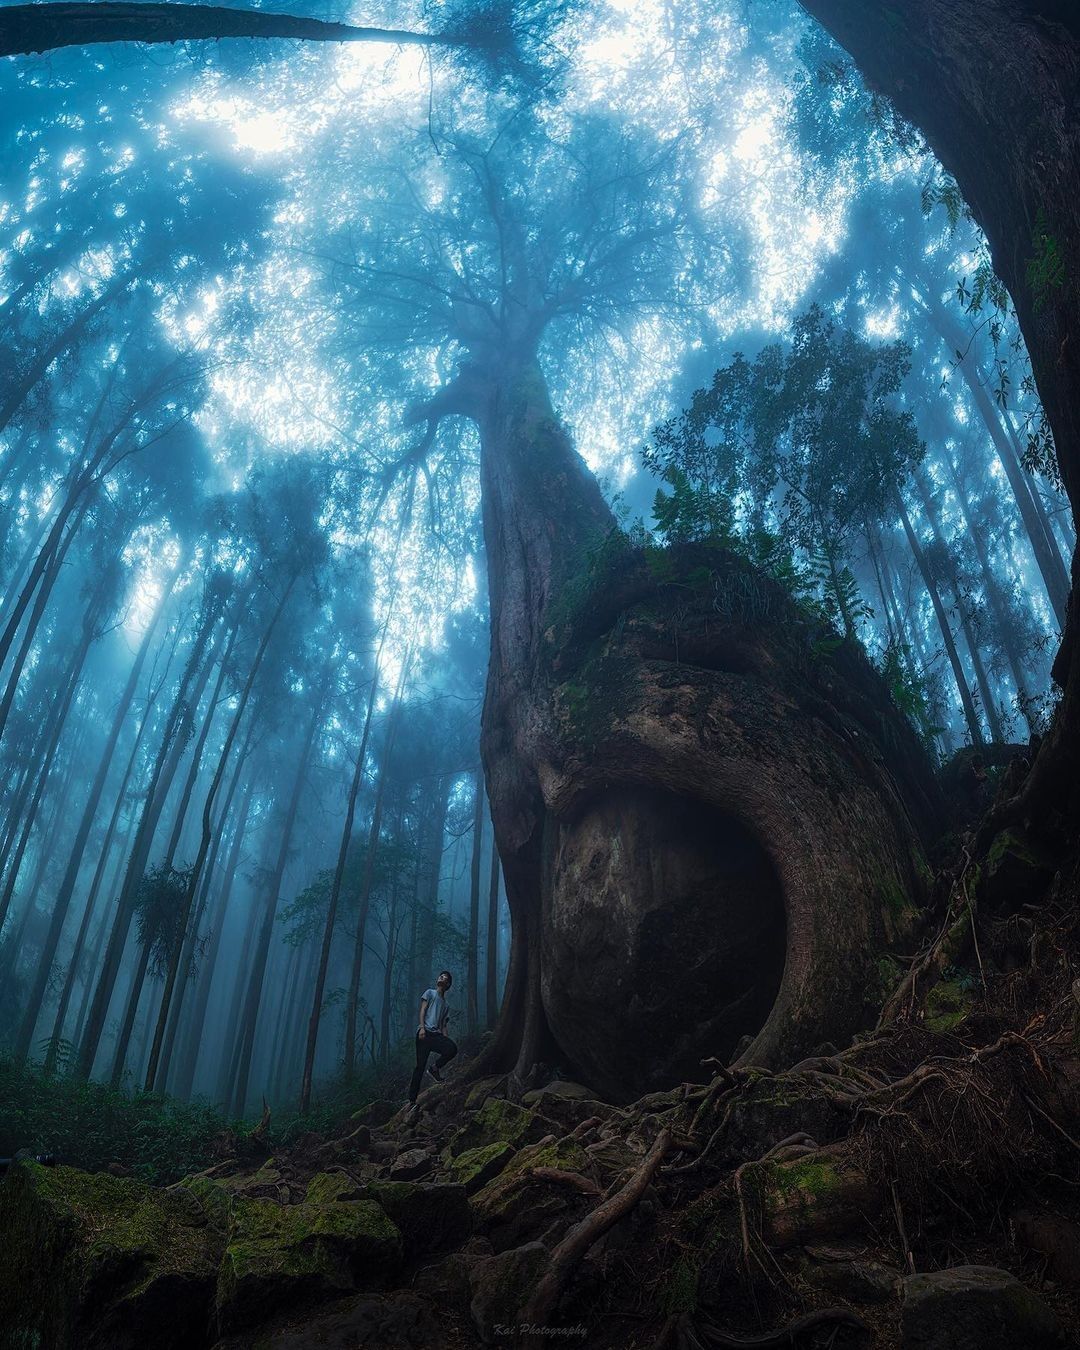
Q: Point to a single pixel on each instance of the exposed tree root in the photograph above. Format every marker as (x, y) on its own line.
(569, 1252)
(785, 1336)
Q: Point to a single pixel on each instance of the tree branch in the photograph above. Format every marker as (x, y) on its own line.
(44, 27)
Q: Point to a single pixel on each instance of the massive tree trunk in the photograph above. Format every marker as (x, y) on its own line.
(992, 86)
(708, 822)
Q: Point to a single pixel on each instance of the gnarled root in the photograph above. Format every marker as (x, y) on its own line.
(570, 1251)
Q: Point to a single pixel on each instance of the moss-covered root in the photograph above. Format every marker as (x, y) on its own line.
(820, 1195)
(96, 1262)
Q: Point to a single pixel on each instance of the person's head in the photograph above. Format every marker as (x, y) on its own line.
(445, 980)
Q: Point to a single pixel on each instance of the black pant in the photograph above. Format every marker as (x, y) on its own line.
(432, 1042)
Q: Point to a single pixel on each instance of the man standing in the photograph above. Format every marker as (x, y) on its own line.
(430, 1036)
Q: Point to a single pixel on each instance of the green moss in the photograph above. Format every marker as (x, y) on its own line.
(1004, 843)
(501, 1197)
(212, 1196)
(327, 1187)
(278, 1252)
(887, 974)
(468, 1167)
(480, 1092)
(89, 1255)
(947, 1005)
(804, 1181)
(679, 1292)
(498, 1121)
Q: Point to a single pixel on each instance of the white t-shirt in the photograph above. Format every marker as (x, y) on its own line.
(436, 1012)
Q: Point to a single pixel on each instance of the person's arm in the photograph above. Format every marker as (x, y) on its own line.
(423, 1010)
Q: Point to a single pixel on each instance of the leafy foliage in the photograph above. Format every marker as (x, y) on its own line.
(92, 1125)
(159, 907)
(910, 691)
(786, 457)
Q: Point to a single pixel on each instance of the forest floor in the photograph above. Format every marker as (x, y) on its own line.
(917, 1189)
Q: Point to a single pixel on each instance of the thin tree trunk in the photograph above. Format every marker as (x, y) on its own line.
(431, 873)
(491, 982)
(165, 765)
(204, 843)
(335, 893)
(388, 970)
(58, 717)
(997, 735)
(82, 834)
(232, 1041)
(187, 956)
(966, 701)
(193, 1035)
(94, 958)
(131, 1008)
(472, 1005)
(352, 1001)
(257, 971)
(197, 753)
(44, 592)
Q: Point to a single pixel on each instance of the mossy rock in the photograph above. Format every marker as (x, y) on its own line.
(376, 1114)
(326, 1188)
(485, 1088)
(975, 1308)
(431, 1218)
(500, 1286)
(477, 1166)
(567, 1109)
(277, 1254)
(96, 1262)
(499, 1122)
(516, 1207)
(947, 1005)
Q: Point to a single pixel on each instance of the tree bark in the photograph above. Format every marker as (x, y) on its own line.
(491, 981)
(472, 1014)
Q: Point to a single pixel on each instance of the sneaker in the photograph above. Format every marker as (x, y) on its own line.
(435, 1072)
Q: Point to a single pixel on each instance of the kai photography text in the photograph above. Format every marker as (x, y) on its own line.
(575, 1333)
